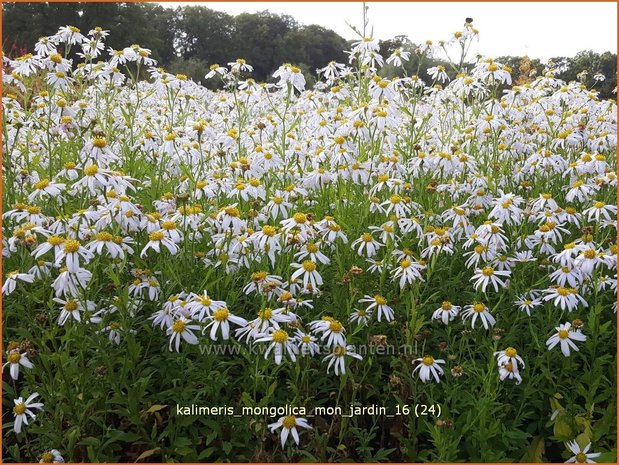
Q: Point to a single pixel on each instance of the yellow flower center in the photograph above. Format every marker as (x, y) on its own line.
(289, 422)
(265, 314)
(232, 211)
(71, 306)
(336, 227)
(487, 271)
(71, 246)
(563, 334)
(563, 291)
(55, 240)
(42, 184)
(589, 254)
(14, 357)
(339, 351)
(309, 266)
(335, 326)
(511, 352)
(221, 314)
(179, 326)
(366, 237)
(19, 409)
(380, 300)
(268, 230)
(47, 457)
(428, 361)
(156, 236)
(99, 142)
(91, 170)
(581, 457)
(446, 305)
(479, 308)
(280, 336)
(104, 236)
(479, 249)
(300, 218)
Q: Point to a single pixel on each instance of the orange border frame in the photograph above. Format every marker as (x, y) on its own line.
(305, 1)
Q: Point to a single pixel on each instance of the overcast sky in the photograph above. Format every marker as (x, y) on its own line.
(538, 29)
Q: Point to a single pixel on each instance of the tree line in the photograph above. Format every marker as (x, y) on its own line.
(184, 39)
(189, 39)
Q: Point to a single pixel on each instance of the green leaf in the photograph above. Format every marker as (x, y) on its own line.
(156, 408)
(535, 451)
(147, 453)
(562, 429)
(116, 435)
(90, 441)
(582, 440)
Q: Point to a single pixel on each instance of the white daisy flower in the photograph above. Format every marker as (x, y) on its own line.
(428, 368)
(478, 310)
(379, 303)
(289, 426)
(336, 358)
(489, 275)
(22, 410)
(281, 344)
(10, 283)
(15, 359)
(581, 455)
(221, 319)
(446, 313)
(565, 338)
(51, 456)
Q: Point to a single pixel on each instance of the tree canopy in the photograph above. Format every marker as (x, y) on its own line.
(189, 39)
